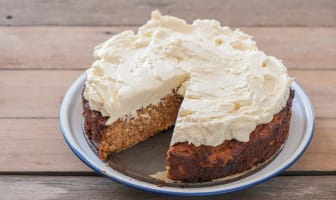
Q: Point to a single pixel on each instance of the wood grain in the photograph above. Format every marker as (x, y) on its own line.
(134, 12)
(71, 47)
(37, 145)
(33, 145)
(44, 187)
(38, 93)
(320, 87)
(320, 155)
(38, 62)
(31, 93)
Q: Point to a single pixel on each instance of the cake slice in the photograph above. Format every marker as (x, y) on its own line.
(123, 134)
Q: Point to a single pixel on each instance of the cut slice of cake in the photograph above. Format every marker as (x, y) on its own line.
(230, 103)
(122, 134)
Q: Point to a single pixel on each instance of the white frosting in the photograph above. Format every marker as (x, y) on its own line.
(229, 86)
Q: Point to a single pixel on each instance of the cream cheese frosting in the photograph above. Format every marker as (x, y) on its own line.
(229, 86)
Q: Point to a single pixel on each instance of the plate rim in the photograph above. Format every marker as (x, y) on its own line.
(66, 102)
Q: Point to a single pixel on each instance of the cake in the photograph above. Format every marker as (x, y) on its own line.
(229, 103)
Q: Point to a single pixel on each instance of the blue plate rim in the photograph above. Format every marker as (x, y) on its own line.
(160, 190)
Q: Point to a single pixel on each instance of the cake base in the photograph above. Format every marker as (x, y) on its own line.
(163, 175)
(189, 163)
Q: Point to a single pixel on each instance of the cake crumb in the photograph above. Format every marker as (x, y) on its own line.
(161, 184)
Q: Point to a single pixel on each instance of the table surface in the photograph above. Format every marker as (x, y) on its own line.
(46, 45)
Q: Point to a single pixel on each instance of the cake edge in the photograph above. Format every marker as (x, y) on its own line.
(186, 162)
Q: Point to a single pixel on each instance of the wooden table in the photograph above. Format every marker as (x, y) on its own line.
(45, 45)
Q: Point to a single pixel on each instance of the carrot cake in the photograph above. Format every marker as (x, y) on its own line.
(229, 103)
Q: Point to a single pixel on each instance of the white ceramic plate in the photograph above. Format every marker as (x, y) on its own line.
(138, 162)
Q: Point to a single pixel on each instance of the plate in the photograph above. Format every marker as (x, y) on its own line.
(134, 166)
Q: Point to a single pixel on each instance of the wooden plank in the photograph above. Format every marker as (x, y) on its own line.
(34, 145)
(320, 155)
(33, 93)
(50, 47)
(67, 187)
(133, 12)
(320, 87)
(71, 47)
(299, 48)
(38, 93)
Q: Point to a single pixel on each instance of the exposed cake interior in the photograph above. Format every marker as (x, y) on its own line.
(130, 130)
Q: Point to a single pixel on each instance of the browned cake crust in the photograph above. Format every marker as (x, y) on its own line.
(189, 163)
(129, 131)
